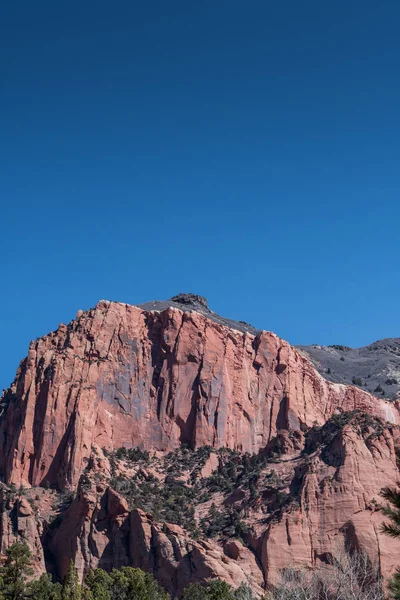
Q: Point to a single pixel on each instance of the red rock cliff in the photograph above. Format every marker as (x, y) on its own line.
(120, 375)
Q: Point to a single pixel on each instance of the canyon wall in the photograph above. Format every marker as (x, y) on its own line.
(122, 376)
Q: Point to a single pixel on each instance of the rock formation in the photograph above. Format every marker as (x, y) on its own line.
(162, 375)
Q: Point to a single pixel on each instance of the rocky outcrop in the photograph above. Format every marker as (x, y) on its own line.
(169, 374)
(18, 521)
(98, 530)
(120, 375)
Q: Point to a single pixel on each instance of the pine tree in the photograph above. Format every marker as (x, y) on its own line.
(44, 589)
(97, 585)
(195, 591)
(71, 590)
(392, 511)
(214, 590)
(15, 572)
(129, 583)
(394, 586)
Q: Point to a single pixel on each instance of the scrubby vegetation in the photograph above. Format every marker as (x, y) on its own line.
(379, 390)
(185, 459)
(235, 469)
(172, 487)
(226, 522)
(340, 347)
(171, 501)
(363, 423)
(133, 455)
(217, 590)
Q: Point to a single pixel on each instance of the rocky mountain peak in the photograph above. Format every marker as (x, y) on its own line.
(190, 300)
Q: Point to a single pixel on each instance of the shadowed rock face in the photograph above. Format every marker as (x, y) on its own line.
(169, 373)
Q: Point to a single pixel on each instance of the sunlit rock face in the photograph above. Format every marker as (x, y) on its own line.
(121, 375)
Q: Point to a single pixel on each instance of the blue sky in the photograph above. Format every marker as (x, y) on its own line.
(248, 152)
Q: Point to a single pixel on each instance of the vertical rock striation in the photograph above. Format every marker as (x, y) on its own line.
(120, 375)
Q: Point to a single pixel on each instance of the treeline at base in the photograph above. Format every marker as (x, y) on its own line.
(347, 576)
(127, 583)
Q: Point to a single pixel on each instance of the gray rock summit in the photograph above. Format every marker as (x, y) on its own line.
(375, 368)
(189, 302)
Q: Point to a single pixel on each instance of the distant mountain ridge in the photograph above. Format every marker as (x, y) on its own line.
(375, 368)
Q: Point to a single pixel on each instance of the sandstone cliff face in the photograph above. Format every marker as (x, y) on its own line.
(339, 497)
(122, 376)
(18, 522)
(125, 376)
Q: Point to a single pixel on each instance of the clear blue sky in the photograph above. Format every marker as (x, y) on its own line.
(245, 151)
